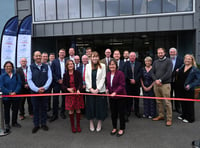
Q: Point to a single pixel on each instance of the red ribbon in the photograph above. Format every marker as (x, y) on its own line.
(90, 94)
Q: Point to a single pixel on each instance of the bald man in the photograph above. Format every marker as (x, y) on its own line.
(107, 59)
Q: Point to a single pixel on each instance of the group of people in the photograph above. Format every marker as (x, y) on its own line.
(166, 77)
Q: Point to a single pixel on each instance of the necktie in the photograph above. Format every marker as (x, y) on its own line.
(132, 68)
(84, 74)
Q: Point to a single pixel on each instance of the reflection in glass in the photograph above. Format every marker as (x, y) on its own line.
(169, 5)
(86, 8)
(99, 8)
(50, 10)
(74, 9)
(112, 7)
(140, 6)
(39, 10)
(154, 6)
(185, 5)
(125, 7)
(62, 9)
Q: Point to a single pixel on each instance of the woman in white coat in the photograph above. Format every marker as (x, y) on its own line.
(96, 106)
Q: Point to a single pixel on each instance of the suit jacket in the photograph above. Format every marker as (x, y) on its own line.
(23, 82)
(178, 64)
(121, 65)
(104, 62)
(77, 81)
(118, 83)
(100, 78)
(137, 75)
(56, 72)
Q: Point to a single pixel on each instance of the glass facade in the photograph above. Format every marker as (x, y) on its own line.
(47, 10)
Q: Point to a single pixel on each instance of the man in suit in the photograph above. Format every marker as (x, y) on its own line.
(126, 55)
(120, 63)
(132, 71)
(107, 59)
(71, 54)
(77, 61)
(51, 58)
(39, 79)
(82, 69)
(177, 62)
(89, 53)
(45, 58)
(58, 70)
(22, 71)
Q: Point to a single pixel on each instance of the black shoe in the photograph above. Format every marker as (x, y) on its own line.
(63, 116)
(7, 128)
(119, 135)
(137, 115)
(45, 128)
(35, 129)
(53, 118)
(113, 133)
(17, 125)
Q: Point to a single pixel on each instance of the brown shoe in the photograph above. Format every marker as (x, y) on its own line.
(158, 118)
(169, 123)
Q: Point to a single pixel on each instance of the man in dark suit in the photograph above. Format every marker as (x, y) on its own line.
(81, 69)
(120, 63)
(71, 54)
(58, 70)
(107, 59)
(132, 71)
(22, 71)
(177, 61)
(77, 61)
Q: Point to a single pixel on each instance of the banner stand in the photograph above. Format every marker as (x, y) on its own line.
(2, 130)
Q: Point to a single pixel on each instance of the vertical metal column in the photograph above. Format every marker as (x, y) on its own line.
(2, 130)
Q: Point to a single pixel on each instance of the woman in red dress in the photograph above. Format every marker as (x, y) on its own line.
(72, 83)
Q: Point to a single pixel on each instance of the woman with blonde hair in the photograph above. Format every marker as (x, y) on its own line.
(188, 77)
(96, 106)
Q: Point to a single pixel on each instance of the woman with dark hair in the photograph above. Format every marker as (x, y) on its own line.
(116, 86)
(96, 106)
(188, 77)
(10, 84)
(72, 83)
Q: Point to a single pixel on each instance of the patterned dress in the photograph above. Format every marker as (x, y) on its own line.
(73, 102)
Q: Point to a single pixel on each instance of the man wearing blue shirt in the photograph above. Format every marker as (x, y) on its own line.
(39, 79)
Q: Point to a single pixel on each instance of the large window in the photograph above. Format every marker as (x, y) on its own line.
(50, 10)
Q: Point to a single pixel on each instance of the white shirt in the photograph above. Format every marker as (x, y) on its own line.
(111, 79)
(62, 67)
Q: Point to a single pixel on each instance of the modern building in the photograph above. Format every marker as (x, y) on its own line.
(135, 25)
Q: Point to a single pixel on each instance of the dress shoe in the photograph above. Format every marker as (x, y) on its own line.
(53, 118)
(99, 124)
(137, 115)
(158, 118)
(169, 123)
(17, 125)
(119, 135)
(63, 116)
(45, 127)
(7, 128)
(92, 126)
(113, 133)
(35, 129)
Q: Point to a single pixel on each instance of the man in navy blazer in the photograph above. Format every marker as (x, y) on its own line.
(120, 63)
(132, 71)
(177, 62)
(58, 70)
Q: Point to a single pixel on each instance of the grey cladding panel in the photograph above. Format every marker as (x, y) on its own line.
(23, 5)
(77, 28)
(67, 28)
(152, 24)
(97, 27)
(39, 30)
(129, 25)
(188, 22)
(164, 23)
(23, 13)
(140, 24)
(87, 27)
(58, 29)
(108, 26)
(176, 22)
(118, 26)
(49, 30)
